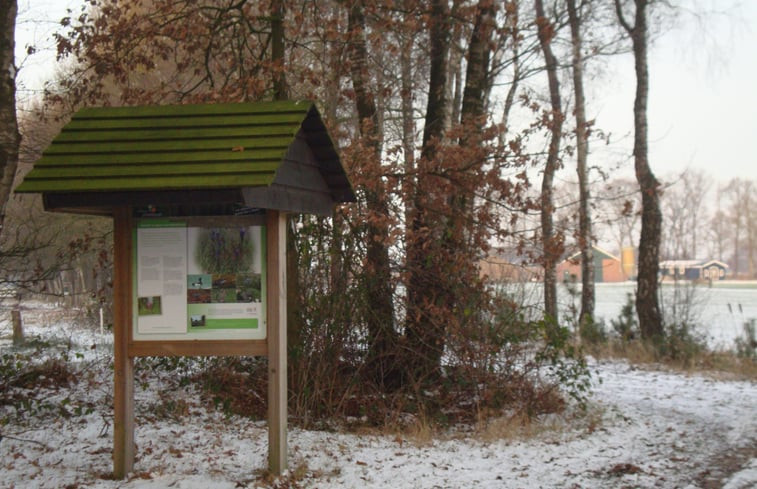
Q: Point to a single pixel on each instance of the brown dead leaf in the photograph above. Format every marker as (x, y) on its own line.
(623, 469)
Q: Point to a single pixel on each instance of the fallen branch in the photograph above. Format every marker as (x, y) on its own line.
(24, 440)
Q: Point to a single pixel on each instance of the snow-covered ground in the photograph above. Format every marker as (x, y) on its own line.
(645, 428)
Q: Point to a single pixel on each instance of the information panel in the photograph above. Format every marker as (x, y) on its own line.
(198, 282)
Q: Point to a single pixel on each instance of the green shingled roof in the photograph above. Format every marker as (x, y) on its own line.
(183, 147)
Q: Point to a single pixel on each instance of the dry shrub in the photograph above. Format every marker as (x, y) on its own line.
(168, 407)
(507, 427)
(235, 385)
(20, 371)
(719, 364)
(52, 373)
(330, 385)
(520, 426)
(494, 360)
(25, 385)
(724, 364)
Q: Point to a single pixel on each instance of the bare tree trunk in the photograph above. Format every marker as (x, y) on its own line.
(457, 93)
(647, 301)
(513, 19)
(552, 248)
(459, 250)
(476, 76)
(454, 86)
(408, 123)
(472, 118)
(277, 50)
(749, 225)
(455, 77)
(582, 153)
(378, 291)
(424, 332)
(10, 138)
(337, 282)
(736, 245)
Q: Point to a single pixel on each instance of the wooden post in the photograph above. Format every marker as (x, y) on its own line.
(18, 326)
(123, 376)
(277, 341)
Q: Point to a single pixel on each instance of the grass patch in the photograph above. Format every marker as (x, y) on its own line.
(718, 364)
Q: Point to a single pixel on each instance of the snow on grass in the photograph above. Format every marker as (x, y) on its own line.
(645, 429)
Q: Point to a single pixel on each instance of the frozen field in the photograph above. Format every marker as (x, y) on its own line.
(718, 312)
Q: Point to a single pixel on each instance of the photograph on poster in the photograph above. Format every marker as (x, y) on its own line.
(148, 306)
(248, 287)
(226, 261)
(199, 282)
(197, 321)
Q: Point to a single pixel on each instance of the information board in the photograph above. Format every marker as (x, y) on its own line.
(197, 282)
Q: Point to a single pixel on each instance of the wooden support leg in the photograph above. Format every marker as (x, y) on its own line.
(277, 341)
(123, 394)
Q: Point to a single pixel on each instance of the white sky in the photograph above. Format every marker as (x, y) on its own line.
(37, 21)
(702, 98)
(702, 101)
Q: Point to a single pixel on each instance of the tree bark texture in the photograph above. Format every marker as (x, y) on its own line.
(10, 139)
(582, 154)
(647, 300)
(425, 329)
(378, 290)
(408, 122)
(459, 261)
(512, 26)
(472, 118)
(479, 53)
(277, 50)
(455, 70)
(552, 247)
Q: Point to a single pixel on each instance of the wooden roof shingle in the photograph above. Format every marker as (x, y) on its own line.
(173, 148)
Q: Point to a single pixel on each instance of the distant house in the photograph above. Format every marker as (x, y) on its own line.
(693, 269)
(607, 267)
